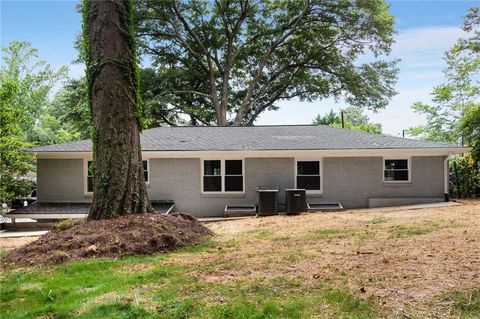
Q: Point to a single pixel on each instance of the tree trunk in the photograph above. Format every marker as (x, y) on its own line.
(119, 185)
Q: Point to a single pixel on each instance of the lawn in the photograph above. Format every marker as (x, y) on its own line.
(358, 264)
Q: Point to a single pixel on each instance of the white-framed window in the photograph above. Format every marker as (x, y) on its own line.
(396, 170)
(89, 169)
(146, 170)
(308, 175)
(89, 183)
(223, 176)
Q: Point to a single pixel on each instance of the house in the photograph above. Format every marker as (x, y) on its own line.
(203, 169)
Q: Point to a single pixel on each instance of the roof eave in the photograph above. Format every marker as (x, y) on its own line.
(438, 151)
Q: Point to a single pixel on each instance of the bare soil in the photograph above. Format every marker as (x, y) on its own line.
(141, 234)
(7, 244)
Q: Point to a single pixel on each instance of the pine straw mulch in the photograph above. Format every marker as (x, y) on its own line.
(141, 234)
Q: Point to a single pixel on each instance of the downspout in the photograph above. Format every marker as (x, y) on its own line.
(446, 190)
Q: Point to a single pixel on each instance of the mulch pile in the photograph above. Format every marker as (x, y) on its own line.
(142, 234)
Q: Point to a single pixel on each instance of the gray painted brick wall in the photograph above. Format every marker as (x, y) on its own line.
(349, 180)
(60, 180)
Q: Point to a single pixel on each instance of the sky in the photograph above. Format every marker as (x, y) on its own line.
(425, 30)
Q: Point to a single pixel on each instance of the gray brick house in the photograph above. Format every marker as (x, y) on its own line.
(205, 168)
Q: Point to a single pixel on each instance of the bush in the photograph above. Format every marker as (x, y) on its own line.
(65, 224)
(465, 177)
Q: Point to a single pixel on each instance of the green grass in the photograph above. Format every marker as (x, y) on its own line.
(426, 227)
(378, 220)
(465, 304)
(122, 288)
(415, 230)
(330, 235)
(321, 234)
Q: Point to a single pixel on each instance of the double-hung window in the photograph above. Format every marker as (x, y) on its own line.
(396, 170)
(223, 176)
(308, 175)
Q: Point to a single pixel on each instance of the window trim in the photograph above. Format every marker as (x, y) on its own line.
(311, 159)
(148, 169)
(409, 168)
(222, 175)
(85, 174)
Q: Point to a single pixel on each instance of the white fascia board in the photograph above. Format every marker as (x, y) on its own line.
(274, 153)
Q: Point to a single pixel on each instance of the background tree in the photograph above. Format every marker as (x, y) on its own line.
(454, 116)
(70, 107)
(460, 94)
(112, 78)
(13, 162)
(226, 62)
(353, 118)
(35, 81)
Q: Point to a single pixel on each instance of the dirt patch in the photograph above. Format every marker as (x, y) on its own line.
(126, 235)
(7, 244)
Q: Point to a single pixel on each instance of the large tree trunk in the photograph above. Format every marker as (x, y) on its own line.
(119, 185)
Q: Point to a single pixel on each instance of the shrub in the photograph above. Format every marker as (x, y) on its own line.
(65, 224)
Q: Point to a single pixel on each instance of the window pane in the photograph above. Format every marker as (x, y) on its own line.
(145, 165)
(233, 167)
(396, 164)
(396, 175)
(233, 183)
(211, 168)
(145, 175)
(308, 182)
(89, 184)
(212, 183)
(308, 168)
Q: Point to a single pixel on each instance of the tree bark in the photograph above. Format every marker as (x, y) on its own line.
(119, 185)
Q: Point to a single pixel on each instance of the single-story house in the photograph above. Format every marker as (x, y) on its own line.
(203, 169)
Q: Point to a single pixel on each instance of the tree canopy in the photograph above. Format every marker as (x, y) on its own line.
(451, 116)
(226, 62)
(35, 81)
(13, 161)
(353, 118)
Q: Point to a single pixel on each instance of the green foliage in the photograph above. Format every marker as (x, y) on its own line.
(465, 176)
(452, 117)
(354, 119)
(13, 162)
(65, 224)
(455, 115)
(70, 107)
(35, 80)
(27, 115)
(470, 126)
(226, 62)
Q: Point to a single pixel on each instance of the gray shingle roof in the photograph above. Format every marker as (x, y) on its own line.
(281, 137)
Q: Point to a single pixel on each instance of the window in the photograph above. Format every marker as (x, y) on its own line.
(308, 175)
(396, 170)
(222, 176)
(212, 176)
(90, 169)
(145, 170)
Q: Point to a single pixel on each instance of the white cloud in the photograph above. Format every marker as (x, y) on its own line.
(425, 40)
